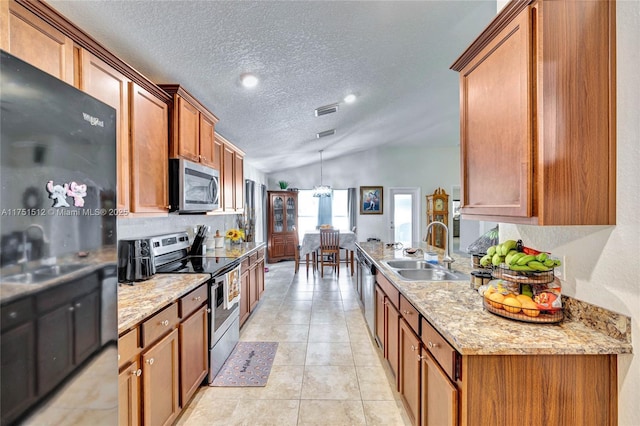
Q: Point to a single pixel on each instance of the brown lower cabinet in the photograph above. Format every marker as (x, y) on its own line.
(388, 322)
(194, 362)
(163, 361)
(441, 387)
(252, 282)
(410, 358)
(129, 394)
(161, 398)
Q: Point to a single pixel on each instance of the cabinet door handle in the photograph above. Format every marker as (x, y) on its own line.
(413, 348)
(150, 361)
(70, 308)
(208, 310)
(78, 305)
(432, 345)
(165, 323)
(168, 206)
(13, 315)
(138, 372)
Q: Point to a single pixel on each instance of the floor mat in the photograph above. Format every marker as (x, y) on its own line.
(248, 365)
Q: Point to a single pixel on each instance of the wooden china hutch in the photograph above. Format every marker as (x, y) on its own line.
(282, 222)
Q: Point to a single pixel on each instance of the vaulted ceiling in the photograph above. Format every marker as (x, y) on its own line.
(393, 55)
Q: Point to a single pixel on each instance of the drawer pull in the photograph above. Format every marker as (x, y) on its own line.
(406, 312)
(432, 345)
(197, 299)
(165, 323)
(70, 308)
(150, 361)
(413, 348)
(78, 305)
(13, 315)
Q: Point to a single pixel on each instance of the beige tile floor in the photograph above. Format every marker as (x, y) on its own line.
(327, 370)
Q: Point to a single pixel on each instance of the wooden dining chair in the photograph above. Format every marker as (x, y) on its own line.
(330, 250)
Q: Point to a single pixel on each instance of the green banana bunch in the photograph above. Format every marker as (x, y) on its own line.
(507, 252)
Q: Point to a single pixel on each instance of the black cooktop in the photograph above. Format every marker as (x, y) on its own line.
(199, 265)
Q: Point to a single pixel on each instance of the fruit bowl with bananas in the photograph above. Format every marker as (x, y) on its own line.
(514, 256)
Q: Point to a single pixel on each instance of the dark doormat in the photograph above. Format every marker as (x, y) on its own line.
(248, 365)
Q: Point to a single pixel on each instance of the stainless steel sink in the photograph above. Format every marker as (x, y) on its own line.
(435, 274)
(420, 270)
(24, 278)
(57, 270)
(42, 273)
(410, 264)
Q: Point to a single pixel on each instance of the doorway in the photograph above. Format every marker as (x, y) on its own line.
(404, 215)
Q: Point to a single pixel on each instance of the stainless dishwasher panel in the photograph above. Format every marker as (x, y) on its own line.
(367, 277)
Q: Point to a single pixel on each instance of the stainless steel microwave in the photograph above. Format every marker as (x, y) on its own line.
(193, 188)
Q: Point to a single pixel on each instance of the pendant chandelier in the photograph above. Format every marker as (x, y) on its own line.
(321, 190)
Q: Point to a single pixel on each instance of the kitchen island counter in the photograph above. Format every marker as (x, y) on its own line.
(456, 311)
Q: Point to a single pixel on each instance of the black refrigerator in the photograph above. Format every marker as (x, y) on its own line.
(58, 294)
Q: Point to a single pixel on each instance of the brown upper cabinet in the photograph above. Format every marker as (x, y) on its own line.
(537, 111)
(34, 41)
(103, 82)
(192, 128)
(232, 175)
(149, 160)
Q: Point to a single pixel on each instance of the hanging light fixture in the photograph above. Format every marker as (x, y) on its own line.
(321, 190)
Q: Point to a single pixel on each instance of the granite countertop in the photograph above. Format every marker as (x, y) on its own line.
(87, 263)
(138, 301)
(142, 299)
(456, 311)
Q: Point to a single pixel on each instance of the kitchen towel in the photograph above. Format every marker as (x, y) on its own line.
(248, 365)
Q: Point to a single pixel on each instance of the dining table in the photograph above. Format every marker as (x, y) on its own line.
(311, 244)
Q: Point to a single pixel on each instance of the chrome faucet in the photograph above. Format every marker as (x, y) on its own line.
(447, 259)
(26, 247)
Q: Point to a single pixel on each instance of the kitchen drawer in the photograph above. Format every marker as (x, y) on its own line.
(441, 350)
(410, 314)
(253, 259)
(389, 289)
(16, 313)
(192, 301)
(128, 346)
(159, 325)
(260, 254)
(244, 266)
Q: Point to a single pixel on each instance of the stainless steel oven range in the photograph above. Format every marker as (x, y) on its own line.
(171, 255)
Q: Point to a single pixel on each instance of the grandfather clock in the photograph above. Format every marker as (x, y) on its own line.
(438, 210)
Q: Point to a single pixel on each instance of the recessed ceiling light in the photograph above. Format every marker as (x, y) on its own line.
(249, 80)
(350, 98)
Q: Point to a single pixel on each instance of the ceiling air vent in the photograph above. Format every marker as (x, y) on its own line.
(326, 133)
(327, 109)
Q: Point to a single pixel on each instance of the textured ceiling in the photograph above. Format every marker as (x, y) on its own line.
(394, 55)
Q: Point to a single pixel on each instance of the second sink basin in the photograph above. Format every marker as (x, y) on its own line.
(57, 270)
(435, 274)
(410, 264)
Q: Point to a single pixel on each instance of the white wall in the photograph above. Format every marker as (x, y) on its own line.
(603, 262)
(426, 168)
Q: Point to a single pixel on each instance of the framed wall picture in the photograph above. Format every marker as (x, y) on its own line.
(370, 200)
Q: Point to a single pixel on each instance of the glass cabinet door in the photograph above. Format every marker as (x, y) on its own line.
(291, 213)
(278, 214)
